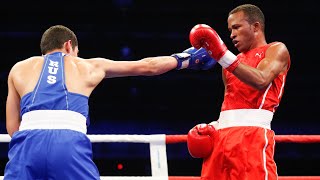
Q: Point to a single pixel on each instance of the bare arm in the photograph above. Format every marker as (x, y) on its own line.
(275, 62)
(12, 107)
(224, 82)
(145, 67)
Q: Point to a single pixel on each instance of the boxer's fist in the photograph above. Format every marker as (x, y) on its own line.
(192, 58)
(204, 36)
(200, 140)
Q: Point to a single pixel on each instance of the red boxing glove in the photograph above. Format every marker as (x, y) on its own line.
(204, 36)
(200, 140)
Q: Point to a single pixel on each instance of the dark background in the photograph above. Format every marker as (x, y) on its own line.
(174, 102)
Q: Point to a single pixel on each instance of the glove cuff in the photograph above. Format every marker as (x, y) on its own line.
(233, 66)
(183, 60)
(227, 59)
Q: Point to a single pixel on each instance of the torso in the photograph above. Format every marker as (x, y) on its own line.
(239, 95)
(55, 82)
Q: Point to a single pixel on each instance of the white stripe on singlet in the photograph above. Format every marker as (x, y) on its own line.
(264, 96)
(63, 80)
(264, 155)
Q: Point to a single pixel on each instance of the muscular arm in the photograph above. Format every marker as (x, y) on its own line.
(275, 62)
(12, 107)
(144, 67)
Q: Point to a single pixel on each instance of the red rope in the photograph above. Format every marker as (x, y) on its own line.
(299, 178)
(172, 139)
(298, 138)
(280, 178)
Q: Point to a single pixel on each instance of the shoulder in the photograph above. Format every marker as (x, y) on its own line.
(23, 65)
(99, 63)
(26, 62)
(88, 60)
(278, 51)
(91, 65)
(88, 63)
(277, 45)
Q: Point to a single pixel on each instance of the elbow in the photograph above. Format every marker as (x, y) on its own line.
(261, 85)
(152, 72)
(10, 134)
(12, 130)
(157, 66)
(261, 82)
(151, 69)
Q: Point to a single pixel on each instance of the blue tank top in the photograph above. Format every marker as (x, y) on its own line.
(51, 92)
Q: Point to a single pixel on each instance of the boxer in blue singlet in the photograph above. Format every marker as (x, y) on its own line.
(54, 127)
(47, 105)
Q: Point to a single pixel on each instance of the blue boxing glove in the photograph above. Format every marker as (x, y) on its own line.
(196, 59)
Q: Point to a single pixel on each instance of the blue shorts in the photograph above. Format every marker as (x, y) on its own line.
(50, 155)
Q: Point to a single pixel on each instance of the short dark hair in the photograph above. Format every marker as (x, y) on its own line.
(253, 13)
(54, 38)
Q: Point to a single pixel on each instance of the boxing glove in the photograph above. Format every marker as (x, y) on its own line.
(200, 140)
(196, 59)
(204, 36)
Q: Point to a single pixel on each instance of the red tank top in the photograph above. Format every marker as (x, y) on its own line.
(239, 95)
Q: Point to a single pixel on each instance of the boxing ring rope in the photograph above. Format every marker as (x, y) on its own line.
(158, 154)
(171, 139)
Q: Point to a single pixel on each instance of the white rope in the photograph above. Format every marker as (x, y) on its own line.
(130, 138)
(158, 153)
(96, 138)
(5, 138)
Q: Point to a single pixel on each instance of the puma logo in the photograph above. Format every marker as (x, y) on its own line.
(258, 54)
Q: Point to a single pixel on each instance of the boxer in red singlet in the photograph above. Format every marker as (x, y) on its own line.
(242, 139)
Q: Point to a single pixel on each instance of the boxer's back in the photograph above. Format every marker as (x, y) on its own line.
(53, 118)
(78, 75)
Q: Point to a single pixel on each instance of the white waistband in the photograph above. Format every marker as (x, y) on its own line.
(53, 119)
(245, 117)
